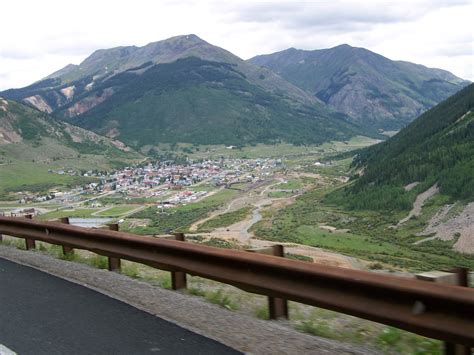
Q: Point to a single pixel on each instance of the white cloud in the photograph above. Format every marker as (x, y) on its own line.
(40, 37)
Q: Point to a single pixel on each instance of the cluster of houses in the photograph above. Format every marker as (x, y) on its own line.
(143, 180)
(175, 177)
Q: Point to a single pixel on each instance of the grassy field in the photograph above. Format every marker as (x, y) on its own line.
(117, 211)
(281, 150)
(35, 178)
(181, 218)
(77, 213)
(25, 167)
(280, 194)
(292, 184)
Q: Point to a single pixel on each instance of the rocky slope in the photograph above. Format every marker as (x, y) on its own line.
(24, 129)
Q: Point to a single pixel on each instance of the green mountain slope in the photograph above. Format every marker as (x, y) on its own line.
(31, 143)
(199, 101)
(438, 147)
(370, 88)
(65, 85)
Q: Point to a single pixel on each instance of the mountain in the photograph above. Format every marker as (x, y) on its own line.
(32, 142)
(183, 90)
(371, 89)
(63, 86)
(437, 148)
(22, 124)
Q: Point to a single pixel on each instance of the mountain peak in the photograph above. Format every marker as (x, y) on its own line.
(343, 46)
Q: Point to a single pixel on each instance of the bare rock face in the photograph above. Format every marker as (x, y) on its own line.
(38, 102)
(88, 103)
(460, 226)
(20, 123)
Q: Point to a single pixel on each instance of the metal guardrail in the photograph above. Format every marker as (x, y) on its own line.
(437, 311)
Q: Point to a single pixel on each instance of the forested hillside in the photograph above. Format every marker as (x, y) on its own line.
(203, 102)
(438, 147)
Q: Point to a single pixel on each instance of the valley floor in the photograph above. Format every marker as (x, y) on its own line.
(283, 205)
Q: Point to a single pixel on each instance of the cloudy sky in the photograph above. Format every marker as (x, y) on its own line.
(39, 37)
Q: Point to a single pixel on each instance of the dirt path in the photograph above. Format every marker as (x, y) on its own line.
(240, 232)
(237, 203)
(419, 202)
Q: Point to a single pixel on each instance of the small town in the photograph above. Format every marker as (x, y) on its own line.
(165, 182)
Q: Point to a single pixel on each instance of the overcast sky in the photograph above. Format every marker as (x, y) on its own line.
(40, 37)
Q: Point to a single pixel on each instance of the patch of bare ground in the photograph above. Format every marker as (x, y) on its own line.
(460, 226)
(138, 222)
(411, 186)
(419, 203)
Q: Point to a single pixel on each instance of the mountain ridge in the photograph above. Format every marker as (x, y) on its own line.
(367, 86)
(105, 63)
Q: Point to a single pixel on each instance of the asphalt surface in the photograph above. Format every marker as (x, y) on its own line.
(43, 314)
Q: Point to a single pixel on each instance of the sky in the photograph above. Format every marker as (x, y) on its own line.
(40, 37)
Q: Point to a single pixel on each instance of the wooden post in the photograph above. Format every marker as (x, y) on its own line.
(1, 235)
(66, 250)
(459, 277)
(277, 307)
(29, 243)
(178, 278)
(462, 280)
(115, 264)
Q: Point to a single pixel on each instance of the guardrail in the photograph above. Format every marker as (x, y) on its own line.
(438, 311)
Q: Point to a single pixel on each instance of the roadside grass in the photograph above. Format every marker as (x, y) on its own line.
(225, 219)
(222, 299)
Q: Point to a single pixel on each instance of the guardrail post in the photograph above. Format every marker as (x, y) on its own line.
(277, 307)
(462, 274)
(459, 277)
(66, 250)
(29, 243)
(115, 264)
(178, 278)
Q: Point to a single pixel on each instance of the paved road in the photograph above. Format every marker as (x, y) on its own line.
(43, 314)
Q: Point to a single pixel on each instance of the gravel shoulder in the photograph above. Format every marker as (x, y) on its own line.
(241, 332)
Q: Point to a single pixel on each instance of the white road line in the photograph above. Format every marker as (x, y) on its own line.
(5, 351)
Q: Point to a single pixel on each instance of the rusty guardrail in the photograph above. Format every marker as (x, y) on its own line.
(438, 311)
